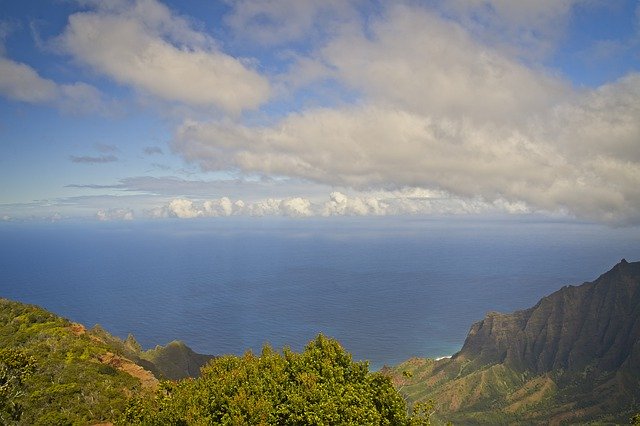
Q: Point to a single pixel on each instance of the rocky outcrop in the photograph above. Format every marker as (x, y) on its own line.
(594, 325)
(572, 358)
(176, 360)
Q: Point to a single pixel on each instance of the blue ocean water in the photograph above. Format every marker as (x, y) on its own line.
(387, 288)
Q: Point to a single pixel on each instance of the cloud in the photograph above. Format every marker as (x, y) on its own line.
(409, 201)
(152, 150)
(22, 83)
(415, 60)
(93, 160)
(339, 204)
(115, 214)
(143, 45)
(187, 209)
(277, 21)
(105, 148)
(247, 189)
(530, 28)
(441, 111)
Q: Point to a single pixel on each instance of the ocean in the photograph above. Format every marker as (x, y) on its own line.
(387, 288)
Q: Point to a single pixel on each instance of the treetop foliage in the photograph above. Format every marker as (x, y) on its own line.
(320, 386)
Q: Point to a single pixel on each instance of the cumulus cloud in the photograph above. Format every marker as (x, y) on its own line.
(20, 82)
(187, 209)
(531, 27)
(421, 63)
(408, 201)
(143, 45)
(222, 207)
(114, 214)
(340, 204)
(442, 111)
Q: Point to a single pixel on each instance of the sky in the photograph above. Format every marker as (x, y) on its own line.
(142, 109)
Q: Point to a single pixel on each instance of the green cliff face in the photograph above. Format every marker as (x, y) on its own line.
(573, 357)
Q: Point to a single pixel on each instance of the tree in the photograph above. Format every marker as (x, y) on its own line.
(15, 367)
(320, 386)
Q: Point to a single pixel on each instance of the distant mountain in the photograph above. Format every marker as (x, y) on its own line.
(174, 361)
(573, 357)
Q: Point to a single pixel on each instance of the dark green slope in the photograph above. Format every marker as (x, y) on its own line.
(573, 357)
(174, 361)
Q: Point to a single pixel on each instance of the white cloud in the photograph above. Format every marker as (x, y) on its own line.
(530, 28)
(143, 45)
(408, 201)
(188, 209)
(114, 214)
(22, 83)
(183, 209)
(415, 60)
(296, 207)
(439, 110)
(220, 207)
(341, 205)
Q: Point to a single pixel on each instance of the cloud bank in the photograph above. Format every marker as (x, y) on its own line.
(441, 110)
(412, 201)
(433, 107)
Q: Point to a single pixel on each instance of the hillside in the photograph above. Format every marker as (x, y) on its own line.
(174, 361)
(573, 357)
(53, 371)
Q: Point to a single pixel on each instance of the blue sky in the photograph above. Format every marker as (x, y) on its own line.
(121, 110)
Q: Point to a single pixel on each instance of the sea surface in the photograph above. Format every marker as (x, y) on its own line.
(387, 288)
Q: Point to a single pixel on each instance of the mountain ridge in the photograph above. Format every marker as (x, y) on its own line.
(573, 356)
(554, 320)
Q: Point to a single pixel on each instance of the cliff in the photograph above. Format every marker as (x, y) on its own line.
(595, 324)
(574, 356)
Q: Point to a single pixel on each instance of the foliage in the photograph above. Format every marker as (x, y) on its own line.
(497, 394)
(55, 372)
(320, 386)
(15, 368)
(635, 420)
(50, 371)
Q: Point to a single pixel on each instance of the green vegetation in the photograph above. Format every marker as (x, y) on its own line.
(51, 373)
(512, 369)
(572, 358)
(55, 372)
(498, 394)
(320, 386)
(15, 368)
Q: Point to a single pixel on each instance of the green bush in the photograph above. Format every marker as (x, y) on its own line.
(320, 386)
